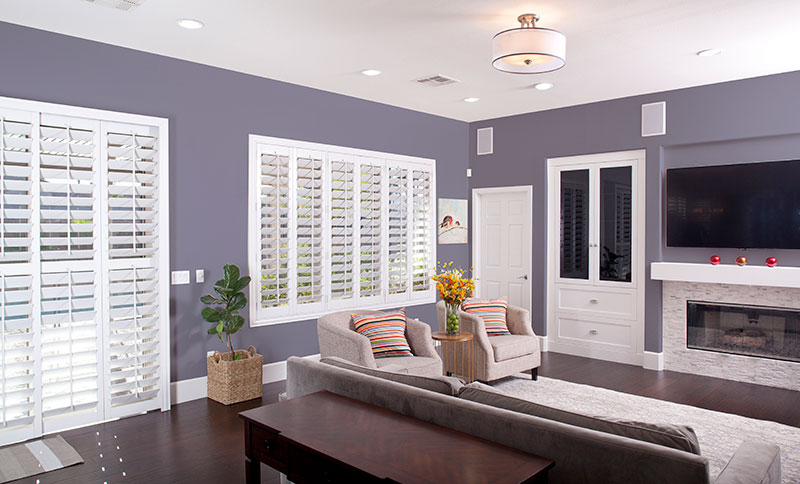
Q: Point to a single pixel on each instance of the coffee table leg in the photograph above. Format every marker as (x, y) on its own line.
(252, 471)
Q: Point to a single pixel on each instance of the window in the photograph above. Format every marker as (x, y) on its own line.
(84, 300)
(333, 228)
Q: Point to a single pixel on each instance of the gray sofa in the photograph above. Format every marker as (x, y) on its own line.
(581, 455)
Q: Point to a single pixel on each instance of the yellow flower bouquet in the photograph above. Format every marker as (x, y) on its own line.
(454, 287)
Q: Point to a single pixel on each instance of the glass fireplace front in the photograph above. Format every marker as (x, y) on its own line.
(744, 330)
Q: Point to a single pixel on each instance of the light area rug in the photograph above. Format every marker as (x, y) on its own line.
(35, 457)
(719, 433)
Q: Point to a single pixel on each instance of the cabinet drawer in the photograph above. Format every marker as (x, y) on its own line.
(269, 447)
(621, 304)
(317, 469)
(594, 332)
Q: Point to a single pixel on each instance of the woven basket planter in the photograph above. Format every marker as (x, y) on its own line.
(236, 381)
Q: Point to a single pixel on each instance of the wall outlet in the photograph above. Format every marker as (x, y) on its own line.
(180, 277)
(469, 172)
(209, 352)
(200, 275)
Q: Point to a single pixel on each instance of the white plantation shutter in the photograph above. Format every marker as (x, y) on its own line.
(309, 227)
(82, 299)
(16, 185)
(342, 233)
(71, 375)
(131, 183)
(335, 228)
(134, 331)
(397, 210)
(422, 220)
(17, 355)
(274, 201)
(370, 239)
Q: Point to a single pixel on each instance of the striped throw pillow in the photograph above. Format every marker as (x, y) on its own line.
(386, 333)
(492, 312)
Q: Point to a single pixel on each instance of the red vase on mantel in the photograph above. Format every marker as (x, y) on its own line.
(714, 259)
(741, 261)
(771, 262)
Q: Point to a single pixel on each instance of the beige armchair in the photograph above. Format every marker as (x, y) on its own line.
(495, 357)
(337, 337)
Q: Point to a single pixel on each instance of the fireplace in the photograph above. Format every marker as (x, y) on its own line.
(765, 332)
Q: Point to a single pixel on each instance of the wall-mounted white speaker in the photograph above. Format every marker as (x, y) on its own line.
(485, 141)
(654, 119)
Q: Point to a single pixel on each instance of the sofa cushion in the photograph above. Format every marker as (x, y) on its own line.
(512, 346)
(491, 311)
(442, 384)
(675, 436)
(386, 333)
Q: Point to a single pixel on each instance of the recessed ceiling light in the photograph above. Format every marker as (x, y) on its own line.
(371, 72)
(191, 24)
(709, 52)
(471, 99)
(543, 86)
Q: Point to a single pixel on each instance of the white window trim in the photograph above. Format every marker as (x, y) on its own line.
(103, 116)
(384, 301)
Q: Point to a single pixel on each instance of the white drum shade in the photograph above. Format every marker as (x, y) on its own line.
(529, 50)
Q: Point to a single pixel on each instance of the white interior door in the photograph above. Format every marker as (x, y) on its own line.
(502, 243)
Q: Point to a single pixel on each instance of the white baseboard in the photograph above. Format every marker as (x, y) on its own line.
(653, 361)
(543, 344)
(197, 388)
(596, 353)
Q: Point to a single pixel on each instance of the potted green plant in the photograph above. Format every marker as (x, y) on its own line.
(235, 375)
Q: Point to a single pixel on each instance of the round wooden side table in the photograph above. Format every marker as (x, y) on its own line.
(455, 349)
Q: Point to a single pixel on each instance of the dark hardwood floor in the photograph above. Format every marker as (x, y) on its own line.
(203, 441)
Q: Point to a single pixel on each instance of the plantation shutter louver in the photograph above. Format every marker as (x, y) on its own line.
(69, 314)
(16, 186)
(274, 204)
(132, 188)
(370, 237)
(17, 355)
(342, 223)
(309, 227)
(421, 253)
(334, 228)
(398, 229)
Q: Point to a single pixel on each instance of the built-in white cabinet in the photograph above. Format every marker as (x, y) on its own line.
(596, 255)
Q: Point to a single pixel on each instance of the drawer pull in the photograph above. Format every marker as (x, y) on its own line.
(593, 301)
(593, 331)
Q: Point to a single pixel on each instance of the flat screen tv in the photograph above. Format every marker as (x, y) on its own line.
(748, 205)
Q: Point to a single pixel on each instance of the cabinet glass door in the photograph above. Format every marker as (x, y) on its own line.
(574, 252)
(616, 219)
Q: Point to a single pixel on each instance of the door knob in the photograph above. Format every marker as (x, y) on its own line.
(523, 277)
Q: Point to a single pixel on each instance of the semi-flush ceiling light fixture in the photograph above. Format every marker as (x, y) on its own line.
(529, 49)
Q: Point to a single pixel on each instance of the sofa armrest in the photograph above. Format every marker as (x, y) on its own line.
(753, 463)
(519, 321)
(346, 344)
(419, 338)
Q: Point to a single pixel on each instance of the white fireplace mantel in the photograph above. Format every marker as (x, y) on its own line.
(726, 274)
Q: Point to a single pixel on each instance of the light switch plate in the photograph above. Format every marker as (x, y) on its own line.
(200, 275)
(180, 277)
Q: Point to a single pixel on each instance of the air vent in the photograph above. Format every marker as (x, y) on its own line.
(437, 80)
(124, 5)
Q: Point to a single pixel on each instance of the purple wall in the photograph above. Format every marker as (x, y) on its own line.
(211, 113)
(749, 120)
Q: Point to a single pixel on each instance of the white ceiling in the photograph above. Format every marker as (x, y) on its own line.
(615, 48)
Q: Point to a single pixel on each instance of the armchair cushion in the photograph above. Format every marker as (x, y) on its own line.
(492, 312)
(511, 346)
(386, 333)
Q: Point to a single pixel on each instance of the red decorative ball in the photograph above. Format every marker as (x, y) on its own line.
(741, 260)
(771, 262)
(714, 259)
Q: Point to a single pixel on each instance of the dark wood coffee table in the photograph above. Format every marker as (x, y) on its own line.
(324, 437)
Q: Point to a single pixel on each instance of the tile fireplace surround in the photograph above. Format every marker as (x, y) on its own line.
(677, 291)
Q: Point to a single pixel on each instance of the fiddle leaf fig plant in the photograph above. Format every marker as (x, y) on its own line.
(223, 309)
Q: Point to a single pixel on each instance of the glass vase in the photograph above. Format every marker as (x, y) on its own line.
(451, 320)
